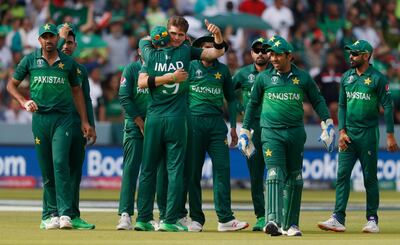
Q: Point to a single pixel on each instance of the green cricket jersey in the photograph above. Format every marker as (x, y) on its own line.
(168, 99)
(281, 97)
(83, 78)
(360, 97)
(50, 86)
(207, 88)
(244, 79)
(133, 99)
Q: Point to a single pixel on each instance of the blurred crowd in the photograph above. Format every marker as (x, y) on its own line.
(109, 31)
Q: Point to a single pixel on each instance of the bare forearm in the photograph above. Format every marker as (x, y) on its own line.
(12, 89)
(210, 54)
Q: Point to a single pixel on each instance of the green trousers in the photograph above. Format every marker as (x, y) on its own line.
(283, 155)
(133, 148)
(52, 134)
(209, 135)
(364, 147)
(165, 139)
(77, 156)
(256, 168)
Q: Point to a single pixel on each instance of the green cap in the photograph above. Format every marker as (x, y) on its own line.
(48, 28)
(279, 45)
(259, 40)
(159, 35)
(269, 42)
(70, 25)
(206, 39)
(361, 46)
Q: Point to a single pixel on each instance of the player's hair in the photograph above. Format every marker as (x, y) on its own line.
(179, 22)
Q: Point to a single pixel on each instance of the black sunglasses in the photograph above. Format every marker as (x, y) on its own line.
(355, 53)
(258, 50)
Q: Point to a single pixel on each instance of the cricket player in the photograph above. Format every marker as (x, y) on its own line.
(244, 80)
(281, 92)
(54, 83)
(209, 83)
(363, 89)
(134, 100)
(165, 73)
(67, 43)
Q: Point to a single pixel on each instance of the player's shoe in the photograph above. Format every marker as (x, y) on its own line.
(195, 226)
(65, 222)
(332, 224)
(155, 225)
(259, 225)
(50, 223)
(143, 226)
(233, 225)
(371, 227)
(172, 227)
(273, 229)
(81, 224)
(294, 230)
(185, 221)
(125, 222)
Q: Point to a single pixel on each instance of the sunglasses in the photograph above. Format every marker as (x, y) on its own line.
(355, 53)
(258, 50)
(158, 36)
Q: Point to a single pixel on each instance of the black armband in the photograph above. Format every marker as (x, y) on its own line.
(219, 45)
(151, 82)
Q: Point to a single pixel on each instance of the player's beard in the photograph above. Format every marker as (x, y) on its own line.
(261, 61)
(355, 64)
(50, 47)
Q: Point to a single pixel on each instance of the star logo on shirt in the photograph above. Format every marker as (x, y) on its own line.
(37, 141)
(78, 71)
(268, 153)
(295, 80)
(46, 27)
(218, 75)
(61, 65)
(226, 141)
(277, 43)
(367, 81)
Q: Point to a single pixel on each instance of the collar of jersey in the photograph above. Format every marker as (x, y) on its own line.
(38, 54)
(293, 72)
(368, 72)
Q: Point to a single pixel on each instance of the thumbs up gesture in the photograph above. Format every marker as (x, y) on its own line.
(215, 31)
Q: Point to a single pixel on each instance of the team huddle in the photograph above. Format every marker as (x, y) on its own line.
(173, 99)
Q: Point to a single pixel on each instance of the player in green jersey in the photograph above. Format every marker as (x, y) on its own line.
(54, 84)
(77, 155)
(164, 73)
(244, 80)
(362, 90)
(134, 100)
(281, 92)
(209, 83)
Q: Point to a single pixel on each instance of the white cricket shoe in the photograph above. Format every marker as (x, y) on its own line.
(65, 222)
(332, 224)
(125, 222)
(294, 230)
(155, 224)
(195, 226)
(233, 225)
(185, 221)
(371, 227)
(50, 223)
(273, 229)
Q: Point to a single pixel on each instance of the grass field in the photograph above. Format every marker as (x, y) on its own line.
(22, 227)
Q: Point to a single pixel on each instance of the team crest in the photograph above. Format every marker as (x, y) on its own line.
(39, 62)
(251, 78)
(199, 73)
(274, 79)
(350, 79)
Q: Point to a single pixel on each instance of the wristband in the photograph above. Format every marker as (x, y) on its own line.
(174, 78)
(219, 45)
(151, 82)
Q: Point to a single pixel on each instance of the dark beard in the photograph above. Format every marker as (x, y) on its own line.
(261, 62)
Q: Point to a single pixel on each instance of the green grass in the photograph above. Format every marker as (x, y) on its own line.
(23, 228)
(238, 195)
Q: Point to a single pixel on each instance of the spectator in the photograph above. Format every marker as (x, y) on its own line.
(254, 7)
(155, 16)
(280, 17)
(16, 114)
(110, 110)
(95, 84)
